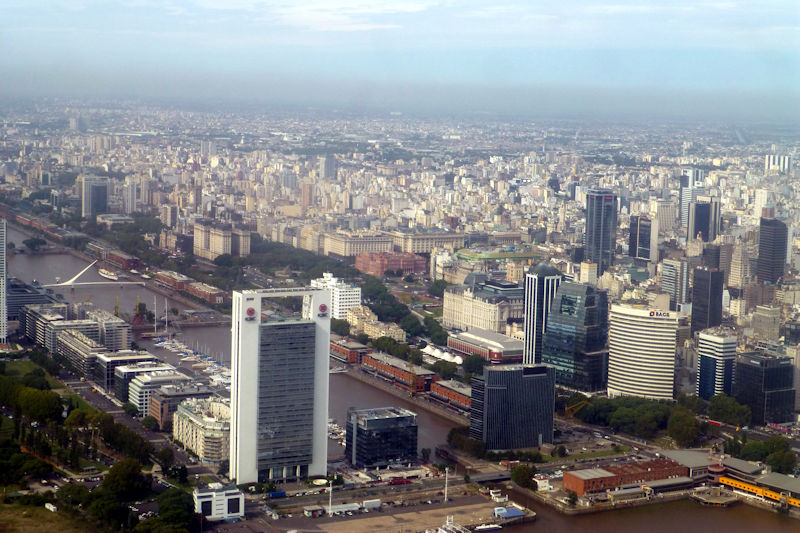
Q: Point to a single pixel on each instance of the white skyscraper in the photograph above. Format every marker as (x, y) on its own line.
(3, 282)
(641, 356)
(279, 386)
(541, 285)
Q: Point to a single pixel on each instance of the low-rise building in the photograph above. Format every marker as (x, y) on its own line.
(348, 351)
(488, 305)
(380, 437)
(219, 502)
(594, 480)
(494, 347)
(376, 264)
(453, 392)
(401, 373)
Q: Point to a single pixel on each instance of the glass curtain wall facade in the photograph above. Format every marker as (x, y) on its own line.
(575, 343)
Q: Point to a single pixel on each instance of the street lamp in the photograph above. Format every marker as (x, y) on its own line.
(446, 471)
(330, 498)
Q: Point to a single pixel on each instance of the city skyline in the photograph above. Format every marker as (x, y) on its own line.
(711, 59)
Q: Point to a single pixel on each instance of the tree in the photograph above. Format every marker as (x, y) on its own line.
(426, 454)
(437, 288)
(40, 405)
(682, 427)
(125, 480)
(782, 461)
(561, 451)
(165, 457)
(176, 508)
(725, 409)
(572, 497)
(445, 369)
(73, 494)
(340, 327)
(130, 409)
(150, 423)
(410, 324)
(522, 475)
(474, 364)
(409, 278)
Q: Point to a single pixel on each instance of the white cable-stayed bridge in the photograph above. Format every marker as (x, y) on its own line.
(72, 282)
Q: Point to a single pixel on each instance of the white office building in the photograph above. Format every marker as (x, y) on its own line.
(344, 296)
(218, 502)
(279, 386)
(143, 386)
(541, 284)
(716, 355)
(641, 358)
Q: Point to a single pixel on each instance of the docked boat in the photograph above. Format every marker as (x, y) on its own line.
(488, 527)
(108, 274)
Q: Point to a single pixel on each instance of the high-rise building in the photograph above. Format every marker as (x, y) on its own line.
(706, 298)
(541, 284)
(712, 256)
(643, 239)
(675, 281)
(512, 406)
(380, 437)
(279, 386)
(327, 168)
(716, 354)
(704, 219)
(641, 352)
(94, 196)
(772, 242)
(740, 267)
(130, 199)
(766, 385)
(781, 163)
(575, 341)
(692, 181)
(3, 282)
(600, 238)
(344, 296)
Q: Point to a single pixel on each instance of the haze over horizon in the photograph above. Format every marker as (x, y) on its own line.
(736, 59)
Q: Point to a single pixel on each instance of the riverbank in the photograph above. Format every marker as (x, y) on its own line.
(659, 499)
(422, 403)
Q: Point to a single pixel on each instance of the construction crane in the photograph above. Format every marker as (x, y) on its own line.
(573, 409)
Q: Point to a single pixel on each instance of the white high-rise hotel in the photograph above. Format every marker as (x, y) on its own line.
(279, 387)
(641, 356)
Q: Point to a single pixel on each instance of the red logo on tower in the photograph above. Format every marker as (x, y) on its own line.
(323, 310)
(251, 314)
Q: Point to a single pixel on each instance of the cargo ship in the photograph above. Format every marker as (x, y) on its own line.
(108, 274)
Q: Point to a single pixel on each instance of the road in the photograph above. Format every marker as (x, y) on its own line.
(103, 402)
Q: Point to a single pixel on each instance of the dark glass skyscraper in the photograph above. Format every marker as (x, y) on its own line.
(772, 239)
(575, 342)
(766, 385)
(706, 298)
(641, 237)
(540, 287)
(512, 406)
(600, 238)
(699, 223)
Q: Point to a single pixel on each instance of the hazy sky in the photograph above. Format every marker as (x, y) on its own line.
(383, 51)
